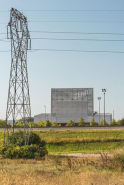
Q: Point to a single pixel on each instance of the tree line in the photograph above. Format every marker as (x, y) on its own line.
(47, 123)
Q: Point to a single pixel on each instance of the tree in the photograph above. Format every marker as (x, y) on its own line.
(113, 122)
(118, 122)
(122, 121)
(27, 119)
(70, 123)
(102, 123)
(93, 123)
(41, 124)
(48, 123)
(2, 123)
(81, 122)
(54, 124)
(33, 124)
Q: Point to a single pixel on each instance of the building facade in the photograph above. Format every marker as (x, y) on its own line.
(108, 117)
(72, 103)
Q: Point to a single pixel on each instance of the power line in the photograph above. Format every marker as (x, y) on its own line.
(74, 10)
(68, 50)
(67, 10)
(71, 32)
(5, 51)
(71, 39)
(76, 21)
(83, 51)
(64, 39)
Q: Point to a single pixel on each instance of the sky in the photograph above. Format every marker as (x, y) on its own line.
(94, 24)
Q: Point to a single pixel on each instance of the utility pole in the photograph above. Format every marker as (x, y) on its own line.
(45, 115)
(99, 98)
(113, 117)
(104, 90)
(18, 103)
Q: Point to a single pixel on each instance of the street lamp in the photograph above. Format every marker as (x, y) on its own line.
(104, 90)
(45, 114)
(99, 98)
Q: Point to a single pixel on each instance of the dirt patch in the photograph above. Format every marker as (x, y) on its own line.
(83, 155)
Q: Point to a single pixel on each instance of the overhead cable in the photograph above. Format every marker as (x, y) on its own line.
(73, 50)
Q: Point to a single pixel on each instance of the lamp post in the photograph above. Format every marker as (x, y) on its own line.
(104, 90)
(45, 115)
(99, 98)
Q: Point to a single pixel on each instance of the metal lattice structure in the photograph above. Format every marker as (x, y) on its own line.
(72, 103)
(18, 104)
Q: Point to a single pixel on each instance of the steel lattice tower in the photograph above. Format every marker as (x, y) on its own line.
(18, 104)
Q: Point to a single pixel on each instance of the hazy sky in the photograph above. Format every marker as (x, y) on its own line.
(67, 69)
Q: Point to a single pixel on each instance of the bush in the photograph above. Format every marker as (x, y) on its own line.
(113, 122)
(41, 124)
(93, 123)
(2, 123)
(118, 122)
(118, 161)
(81, 122)
(70, 123)
(54, 124)
(14, 146)
(29, 152)
(48, 123)
(102, 123)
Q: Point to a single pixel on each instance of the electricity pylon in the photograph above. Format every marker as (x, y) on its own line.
(18, 104)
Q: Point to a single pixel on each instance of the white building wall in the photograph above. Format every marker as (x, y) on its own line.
(108, 117)
(44, 117)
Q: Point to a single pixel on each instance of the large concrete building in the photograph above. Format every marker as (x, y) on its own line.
(71, 103)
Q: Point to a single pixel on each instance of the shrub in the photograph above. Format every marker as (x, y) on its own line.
(29, 152)
(81, 122)
(53, 124)
(41, 124)
(113, 122)
(93, 123)
(118, 161)
(118, 122)
(48, 123)
(14, 146)
(2, 123)
(70, 123)
(102, 123)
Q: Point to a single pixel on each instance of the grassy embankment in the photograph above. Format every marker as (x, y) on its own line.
(81, 141)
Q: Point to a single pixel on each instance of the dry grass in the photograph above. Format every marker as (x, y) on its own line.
(83, 178)
(59, 171)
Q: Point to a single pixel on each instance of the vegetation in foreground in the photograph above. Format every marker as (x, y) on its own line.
(14, 146)
(92, 141)
(54, 170)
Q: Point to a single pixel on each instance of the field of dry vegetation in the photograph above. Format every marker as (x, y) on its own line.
(58, 170)
(106, 168)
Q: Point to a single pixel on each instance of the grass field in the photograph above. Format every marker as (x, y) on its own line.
(59, 171)
(80, 141)
(54, 170)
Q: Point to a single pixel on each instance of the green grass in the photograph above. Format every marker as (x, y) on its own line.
(83, 147)
(81, 134)
(80, 141)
